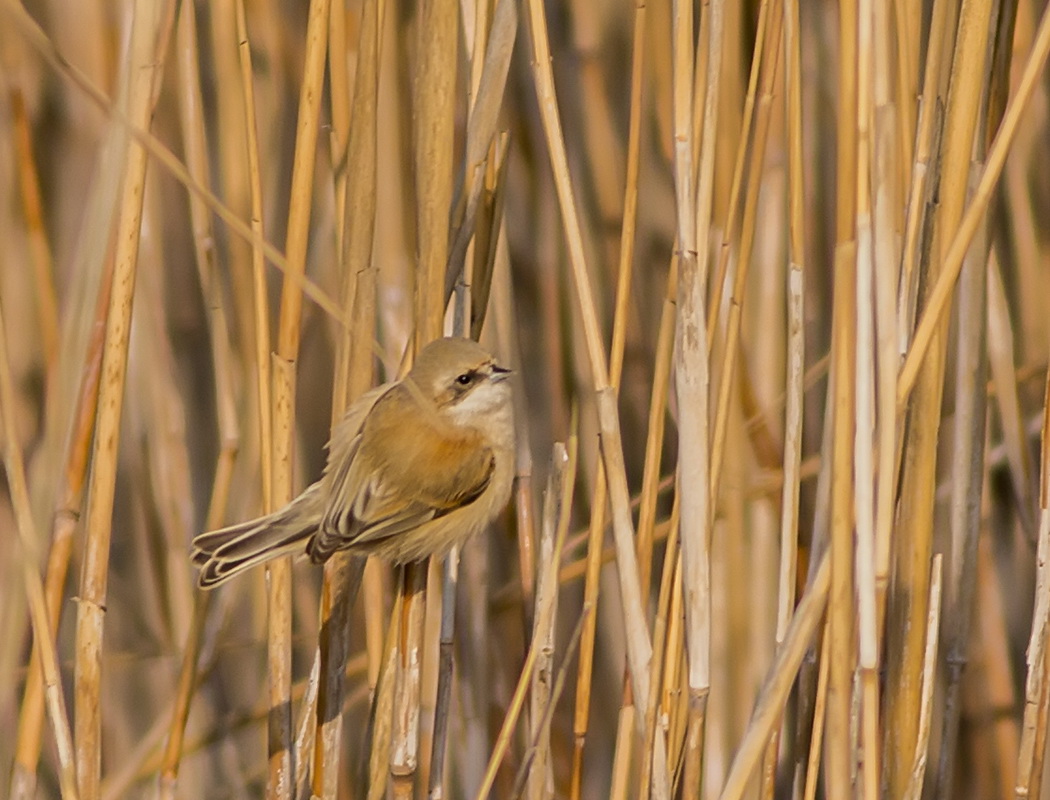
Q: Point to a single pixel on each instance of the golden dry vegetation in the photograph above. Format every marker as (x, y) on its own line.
(775, 280)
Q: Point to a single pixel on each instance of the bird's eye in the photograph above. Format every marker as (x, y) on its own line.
(465, 379)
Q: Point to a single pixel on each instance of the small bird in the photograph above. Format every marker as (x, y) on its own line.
(415, 467)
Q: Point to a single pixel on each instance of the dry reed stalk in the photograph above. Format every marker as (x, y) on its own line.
(547, 591)
(621, 760)
(145, 760)
(490, 64)
(639, 647)
(816, 734)
(929, 667)
(988, 684)
(233, 163)
(892, 147)
(39, 248)
(191, 107)
(905, 32)
(812, 681)
(173, 748)
(148, 46)
(908, 603)
(158, 151)
(915, 210)
(353, 374)
(656, 423)
(67, 511)
(842, 391)
(598, 137)
(869, 174)
(433, 99)
(557, 502)
(771, 62)
(1001, 349)
(358, 220)
(766, 462)
(340, 98)
(777, 684)
(794, 375)
(156, 424)
(42, 628)
(763, 36)
(434, 116)
(259, 302)
(599, 498)
(663, 625)
(941, 292)
(1037, 696)
(404, 738)
(195, 143)
(694, 203)
(305, 727)
(442, 704)
(281, 780)
(377, 773)
(471, 262)
(548, 711)
(674, 690)
(967, 477)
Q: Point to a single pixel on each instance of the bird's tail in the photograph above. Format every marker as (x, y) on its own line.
(226, 552)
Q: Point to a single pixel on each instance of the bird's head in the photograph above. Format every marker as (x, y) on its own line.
(464, 382)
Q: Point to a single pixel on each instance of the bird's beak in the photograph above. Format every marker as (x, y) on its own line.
(500, 373)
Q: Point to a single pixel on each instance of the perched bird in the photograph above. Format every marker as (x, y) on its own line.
(415, 467)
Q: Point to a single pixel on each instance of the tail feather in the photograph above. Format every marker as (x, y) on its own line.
(229, 551)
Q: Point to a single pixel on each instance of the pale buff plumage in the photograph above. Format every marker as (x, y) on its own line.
(415, 467)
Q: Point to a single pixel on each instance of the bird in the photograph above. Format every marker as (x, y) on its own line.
(415, 467)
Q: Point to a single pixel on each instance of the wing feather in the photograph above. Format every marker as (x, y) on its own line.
(384, 482)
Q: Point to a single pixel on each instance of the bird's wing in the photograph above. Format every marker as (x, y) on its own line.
(397, 474)
(347, 432)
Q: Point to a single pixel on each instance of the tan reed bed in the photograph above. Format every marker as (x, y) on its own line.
(774, 281)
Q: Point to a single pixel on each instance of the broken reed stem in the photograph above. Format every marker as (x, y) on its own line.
(145, 64)
(929, 673)
(404, 740)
